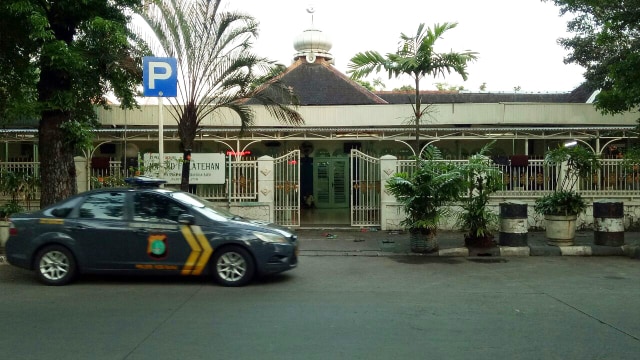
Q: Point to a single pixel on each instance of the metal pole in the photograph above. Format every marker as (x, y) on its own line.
(229, 182)
(160, 139)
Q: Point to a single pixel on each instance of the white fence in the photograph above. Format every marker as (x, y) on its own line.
(614, 178)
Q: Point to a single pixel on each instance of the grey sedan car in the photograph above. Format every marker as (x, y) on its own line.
(146, 229)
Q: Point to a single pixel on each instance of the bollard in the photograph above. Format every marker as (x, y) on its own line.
(513, 224)
(608, 223)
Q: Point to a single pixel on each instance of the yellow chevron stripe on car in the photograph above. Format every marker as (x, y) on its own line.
(195, 250)
(207, 250)
(51, 221)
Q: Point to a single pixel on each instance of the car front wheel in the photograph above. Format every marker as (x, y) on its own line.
(233, 266)
(55, 265)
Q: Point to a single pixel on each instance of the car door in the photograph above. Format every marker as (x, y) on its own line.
(162, 244)
(100, 231)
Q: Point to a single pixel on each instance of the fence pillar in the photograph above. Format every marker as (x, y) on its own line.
(266, 184)
(82, 175)
(390, 214)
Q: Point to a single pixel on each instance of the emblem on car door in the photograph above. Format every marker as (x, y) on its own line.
(157, 247)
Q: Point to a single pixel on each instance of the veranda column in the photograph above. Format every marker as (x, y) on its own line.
(390, 214)
(266, 184)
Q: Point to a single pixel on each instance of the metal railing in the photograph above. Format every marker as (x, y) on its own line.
(241, 181)
(28, 193)
(615, 177)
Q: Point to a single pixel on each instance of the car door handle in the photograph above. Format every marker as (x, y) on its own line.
(75, 227)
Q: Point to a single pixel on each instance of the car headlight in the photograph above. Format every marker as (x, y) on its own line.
(270, 238)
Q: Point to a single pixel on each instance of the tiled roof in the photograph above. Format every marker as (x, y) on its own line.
(579, 95)
(320, 83)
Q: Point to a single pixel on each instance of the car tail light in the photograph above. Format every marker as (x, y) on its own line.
(13, 231)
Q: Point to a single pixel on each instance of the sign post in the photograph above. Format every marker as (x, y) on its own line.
(160, 79)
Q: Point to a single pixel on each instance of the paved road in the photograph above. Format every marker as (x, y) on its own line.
(396, 307)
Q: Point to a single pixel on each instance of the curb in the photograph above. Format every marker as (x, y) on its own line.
(499, 251)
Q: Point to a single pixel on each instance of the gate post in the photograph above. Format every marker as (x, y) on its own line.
(266, 184)
(390, 216)
(83, 177)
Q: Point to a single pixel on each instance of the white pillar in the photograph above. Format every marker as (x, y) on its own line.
(266, 183)
(82, 175)
(390, 211)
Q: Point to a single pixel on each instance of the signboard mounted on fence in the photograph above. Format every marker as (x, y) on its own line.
(205, 168)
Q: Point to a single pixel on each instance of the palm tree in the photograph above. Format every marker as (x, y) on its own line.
(217, 69)
(417, 58)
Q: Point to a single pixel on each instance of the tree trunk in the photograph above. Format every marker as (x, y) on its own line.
(187, 127)
(418, 116)
(57, 168)
(186, 170)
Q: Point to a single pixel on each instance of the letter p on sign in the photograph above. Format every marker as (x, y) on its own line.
(159, 76)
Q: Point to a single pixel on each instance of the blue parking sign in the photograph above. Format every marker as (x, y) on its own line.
(159, 76)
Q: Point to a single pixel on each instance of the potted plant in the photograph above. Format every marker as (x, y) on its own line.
(562, 206)
(424, 195)
(477, 220)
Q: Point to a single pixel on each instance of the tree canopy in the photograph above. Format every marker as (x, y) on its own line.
(217, 69)
(606, 44)
(417, 58)
(58, 60)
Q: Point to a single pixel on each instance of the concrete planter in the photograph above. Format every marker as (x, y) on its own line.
(560, 230)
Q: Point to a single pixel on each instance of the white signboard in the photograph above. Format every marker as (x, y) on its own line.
(205, 168)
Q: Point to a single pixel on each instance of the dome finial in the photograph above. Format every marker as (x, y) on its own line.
(311, 10)
(312, 43)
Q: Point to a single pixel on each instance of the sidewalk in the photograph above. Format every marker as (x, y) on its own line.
(373, 242)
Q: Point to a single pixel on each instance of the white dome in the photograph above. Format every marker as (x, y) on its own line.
(313, 41)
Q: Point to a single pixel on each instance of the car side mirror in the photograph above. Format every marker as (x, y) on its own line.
(186, 219)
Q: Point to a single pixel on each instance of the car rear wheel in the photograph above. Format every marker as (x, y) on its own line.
(55, 265)
(233, 266)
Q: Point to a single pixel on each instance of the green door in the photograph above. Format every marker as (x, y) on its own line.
(331, 177)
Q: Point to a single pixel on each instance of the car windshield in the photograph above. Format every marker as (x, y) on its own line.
(206, 207)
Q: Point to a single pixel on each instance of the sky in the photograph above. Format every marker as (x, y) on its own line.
(516, 40)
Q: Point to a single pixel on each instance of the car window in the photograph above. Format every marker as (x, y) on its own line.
(63, 209)
(105, 206)
(148, 206)
(203, 206)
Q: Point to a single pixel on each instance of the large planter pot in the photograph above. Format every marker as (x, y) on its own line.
(423, 241)
(560, 230)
